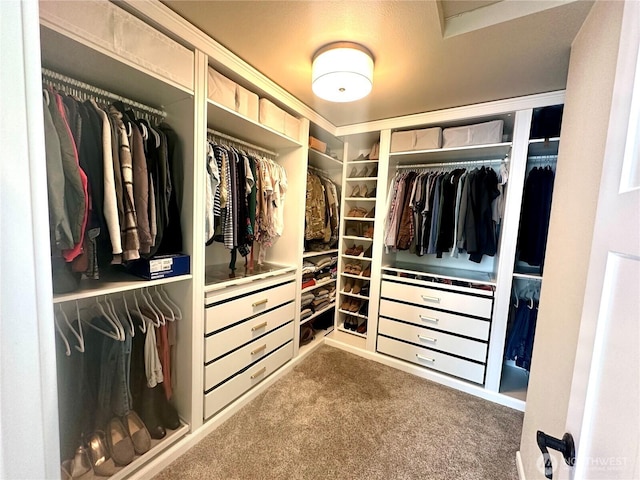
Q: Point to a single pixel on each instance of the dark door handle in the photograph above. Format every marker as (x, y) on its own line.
(566, 446)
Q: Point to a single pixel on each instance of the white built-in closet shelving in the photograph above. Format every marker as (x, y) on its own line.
(71, 46)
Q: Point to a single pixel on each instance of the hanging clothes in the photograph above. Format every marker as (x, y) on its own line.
(521, 332)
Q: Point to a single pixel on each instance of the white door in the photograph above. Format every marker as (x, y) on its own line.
(604, 407)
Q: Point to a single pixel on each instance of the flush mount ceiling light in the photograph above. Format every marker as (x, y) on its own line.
(342, 72)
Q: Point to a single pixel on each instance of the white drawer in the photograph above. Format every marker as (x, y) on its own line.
(226, 313)
(442, 362)
(231, 338)
(228, 365)
(449, 322)
(446, 300)
(428, 338)
(226, 393)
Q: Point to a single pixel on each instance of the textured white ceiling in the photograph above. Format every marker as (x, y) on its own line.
(416, 68)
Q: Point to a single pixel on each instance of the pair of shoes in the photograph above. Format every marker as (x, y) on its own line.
(363, 173)
(367, 272)
(353, 268)
(76, 467)
(138, 432)
(368, 232)
(353, 173)
(119, 442)
(362, 325)
(357, 212)
(101, 462)
(357, 287)
(355, 192)
(355, 251)
(350, 305)
(360, 191)
(351, 322)
(364, 308)
(156, 412)
(348, 286)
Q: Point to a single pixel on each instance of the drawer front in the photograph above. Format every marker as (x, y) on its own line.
(226, 393)
(424, 357)
(450, 322)
(222, 342)
(430, 297)
(444, 342)
(227, 366)
(228, 313)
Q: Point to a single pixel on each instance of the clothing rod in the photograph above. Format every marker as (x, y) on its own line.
(543, 158)
(71, 82)
(224, 136)
(452, 164)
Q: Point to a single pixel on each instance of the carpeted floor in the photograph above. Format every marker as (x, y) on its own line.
(339, 416)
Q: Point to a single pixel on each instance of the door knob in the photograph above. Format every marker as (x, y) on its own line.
(566, 446)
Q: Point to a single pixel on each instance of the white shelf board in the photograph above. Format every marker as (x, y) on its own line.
(351, 332)
(353, 257)
(115, 283)
(360, 199)
(488, 151)
(361, 179)
(351, 275)
(443, 272)
(353, 237)
(528, 276)
(323, 161)
(353, 314)
(354, 295)
(227, 121)
(317, 254)
(316, 342)
(219, 277)
(360, 219)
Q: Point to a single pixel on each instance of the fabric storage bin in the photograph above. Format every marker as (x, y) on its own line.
(247, 103)
(221, 90)
(291, 126)
(428, 138)
(478, 134)
(317, 144)
(271, 115)
(403, 141)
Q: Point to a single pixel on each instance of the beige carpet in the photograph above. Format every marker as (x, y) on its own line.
(339, 416)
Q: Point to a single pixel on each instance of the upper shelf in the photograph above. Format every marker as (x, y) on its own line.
(230, 122)
(488, 151)
(323, 161)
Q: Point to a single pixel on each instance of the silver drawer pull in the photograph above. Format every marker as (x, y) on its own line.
(259, 349)
(260, 302)
(427, 298)
(259, 326)
(258, 373)
(427, 339)
(428, 319)
(426, 359)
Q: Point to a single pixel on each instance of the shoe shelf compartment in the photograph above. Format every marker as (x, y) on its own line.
(353, 257)
(318, 313)
(360, 219)
(352, 332)
(358, 239)
(360, 199)
(362, 179)
(355, 295)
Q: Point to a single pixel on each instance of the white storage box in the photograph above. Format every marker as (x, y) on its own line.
(271, 115)
(428, 138)
(221, 90)
(291, 126)
(478, 134)
(423, 139)
(247, 103)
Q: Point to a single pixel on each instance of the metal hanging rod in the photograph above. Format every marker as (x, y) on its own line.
(241, 143)
(58, 79)
(543, 158)
(453, 164)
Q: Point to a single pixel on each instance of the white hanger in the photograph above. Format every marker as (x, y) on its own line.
(156, 319)
(174, 306)
(168, 312)
(114, 334)
(64, 339)
(114, 316)
(160, 314)
(127, 315)
(142, 318)
(76, 333)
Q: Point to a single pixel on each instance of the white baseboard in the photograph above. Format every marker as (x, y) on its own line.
(520, 466)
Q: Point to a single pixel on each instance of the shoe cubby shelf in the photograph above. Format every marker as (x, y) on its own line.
(361, 162)
(352, 332)
(355, 295)
(319, 285)
(321, 252)
(351, 275)
(361, 239)
(318, 313)
(353, 257)
(353, 314)
(362, 179)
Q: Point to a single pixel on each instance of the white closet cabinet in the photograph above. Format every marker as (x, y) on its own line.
(251, 313)
(99, 44)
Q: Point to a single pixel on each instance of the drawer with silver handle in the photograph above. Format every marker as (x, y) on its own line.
(478, 306)
(218, 371)
(448, 322)
(228, 312)
(463, 347)
(217, 399)
(441, 362)
(231, 338)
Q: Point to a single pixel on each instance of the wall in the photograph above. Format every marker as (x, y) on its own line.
(585, 123)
